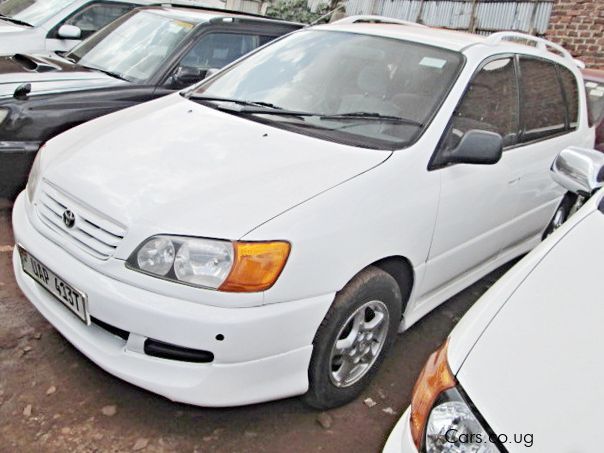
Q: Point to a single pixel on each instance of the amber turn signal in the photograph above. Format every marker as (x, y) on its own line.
(257, 266)
(435, 378)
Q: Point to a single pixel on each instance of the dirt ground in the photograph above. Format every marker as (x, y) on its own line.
(52, 399)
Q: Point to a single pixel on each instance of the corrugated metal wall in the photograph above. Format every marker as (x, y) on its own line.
(480, 16)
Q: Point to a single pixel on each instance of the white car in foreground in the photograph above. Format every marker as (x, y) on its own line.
(43, 26)
(522, 369)
(266, 233)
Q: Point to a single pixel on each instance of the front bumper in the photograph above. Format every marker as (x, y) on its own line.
(400, 440)
(16, 159)
(264, 353)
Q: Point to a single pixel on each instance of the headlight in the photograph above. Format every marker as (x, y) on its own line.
(211, 263)
(441, 419)
(34, 176)
(3, 115)
(453, 428)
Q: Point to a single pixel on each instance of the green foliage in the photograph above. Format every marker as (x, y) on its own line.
(296, 11)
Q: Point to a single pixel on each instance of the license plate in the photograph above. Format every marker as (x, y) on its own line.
(65, 293)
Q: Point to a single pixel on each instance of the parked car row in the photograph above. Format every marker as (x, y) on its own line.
(266, 232)
(147, 53)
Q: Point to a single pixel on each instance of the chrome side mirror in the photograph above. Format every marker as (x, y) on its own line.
(579, 170)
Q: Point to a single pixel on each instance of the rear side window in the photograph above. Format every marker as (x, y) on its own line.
(571, 92)
(490, 104)
(595, 101)
(215, 50)
(543, 104)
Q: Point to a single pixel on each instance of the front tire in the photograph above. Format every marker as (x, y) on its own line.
(353, 338)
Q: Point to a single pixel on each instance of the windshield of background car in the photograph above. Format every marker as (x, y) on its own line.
(595, 101)
(134, 47)
(362, 90)
(33, 12)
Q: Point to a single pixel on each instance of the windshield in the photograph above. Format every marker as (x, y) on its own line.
(595, 100)
(356, 89)
(33, 12)
(134, 47)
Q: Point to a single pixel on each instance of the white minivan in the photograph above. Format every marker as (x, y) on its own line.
(43, 26)
(267, 232)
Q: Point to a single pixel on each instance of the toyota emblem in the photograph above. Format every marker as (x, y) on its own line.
(68, 218)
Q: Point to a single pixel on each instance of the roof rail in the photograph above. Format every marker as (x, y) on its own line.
(191, 4)
(376, 20)
(540, 43)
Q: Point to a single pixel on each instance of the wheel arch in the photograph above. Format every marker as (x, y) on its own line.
(401, 269)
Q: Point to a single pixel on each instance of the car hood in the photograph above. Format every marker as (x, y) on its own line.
(9, 27)
(48, 74)
(175, 166)
(17, 38)
(537, 368)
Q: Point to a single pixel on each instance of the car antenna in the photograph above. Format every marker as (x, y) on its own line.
(22, 91)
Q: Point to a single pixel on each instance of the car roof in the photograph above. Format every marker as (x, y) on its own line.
(200, 14)
(460, 41)
(440, 37)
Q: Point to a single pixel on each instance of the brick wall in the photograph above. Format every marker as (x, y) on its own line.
(579, 26)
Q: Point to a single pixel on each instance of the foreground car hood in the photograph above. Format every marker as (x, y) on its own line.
(174, 166)
(537, 367)
(49, 74)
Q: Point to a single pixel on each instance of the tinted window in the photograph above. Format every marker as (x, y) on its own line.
(571, 91)
(595, 101)
(94, 17)
(490, 104)
(216, 50)
(543, 105)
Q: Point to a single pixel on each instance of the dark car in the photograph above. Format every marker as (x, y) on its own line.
(594, 84)
(146, 54)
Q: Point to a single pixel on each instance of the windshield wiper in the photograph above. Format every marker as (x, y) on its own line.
(15, 21)
(109, 73)
(369, 116)
(234, 101)
(251, 107)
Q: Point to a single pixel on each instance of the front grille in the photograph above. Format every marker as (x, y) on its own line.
(91, 231)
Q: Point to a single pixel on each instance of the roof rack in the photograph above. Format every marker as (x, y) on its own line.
(191, 4)
(540, 43)
(376, 20)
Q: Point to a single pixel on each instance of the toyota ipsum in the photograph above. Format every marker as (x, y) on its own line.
(268, 231)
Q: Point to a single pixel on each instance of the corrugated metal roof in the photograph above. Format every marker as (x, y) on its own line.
(489, 15)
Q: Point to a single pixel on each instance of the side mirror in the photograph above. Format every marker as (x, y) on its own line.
(476, 147)
(185, 76)
(69, 32)
(579, 170)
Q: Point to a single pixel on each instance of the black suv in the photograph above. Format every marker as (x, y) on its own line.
(146, 54)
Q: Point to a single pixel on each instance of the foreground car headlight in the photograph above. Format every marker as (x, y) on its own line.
(34, 176)
(212, 263)
(442, 421)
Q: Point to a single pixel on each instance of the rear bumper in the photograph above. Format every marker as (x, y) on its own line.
(264, 353)
(16, 159)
